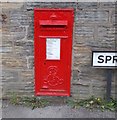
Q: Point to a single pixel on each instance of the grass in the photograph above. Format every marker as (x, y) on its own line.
(33, 102)
(92, 102)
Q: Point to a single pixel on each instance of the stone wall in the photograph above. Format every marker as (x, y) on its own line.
(94, 29)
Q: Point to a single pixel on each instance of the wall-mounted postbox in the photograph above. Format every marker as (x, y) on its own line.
(53, 48)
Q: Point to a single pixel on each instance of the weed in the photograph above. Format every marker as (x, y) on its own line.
(14, 99)
(94, 102)
(33, 102)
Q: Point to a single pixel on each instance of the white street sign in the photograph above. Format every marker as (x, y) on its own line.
(104, 58)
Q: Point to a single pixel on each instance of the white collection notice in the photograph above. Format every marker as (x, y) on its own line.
(53, 48)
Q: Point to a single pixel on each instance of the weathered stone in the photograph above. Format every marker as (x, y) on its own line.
(94, 29)
(30, 62)
(75, 74)
(12, 62)
(5, 49)
(30, 34)
(23, 48)
(12, 5)
(18, 35)
(31, 5)
(84, 30)
(7, 40)
(87, 5)
(9, 76)
(85, 41)
(5, 17)
(95, 16)
(106, 5)
(14, 85)
(106, 30)
(17, 29)
(80, 88)
(80, 92)
(27, 76)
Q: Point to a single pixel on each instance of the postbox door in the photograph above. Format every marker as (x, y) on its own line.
(53, 48)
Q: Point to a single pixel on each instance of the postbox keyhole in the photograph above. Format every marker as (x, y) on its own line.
(53, 16)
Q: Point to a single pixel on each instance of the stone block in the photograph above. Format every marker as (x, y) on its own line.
(85, 41)
(80, 89)
(4, 49)
(17, 32)
(7, 40)
(75, 74)
(87, 5)
(82, 30)
(30, 62)
(27, 76)
(23, 48)
(9, 76)
(114, 17)
(30, 34)
(108, 31)
(94, 16)
(13, 62)
(107, 5)
(12, 5)
(32, 5)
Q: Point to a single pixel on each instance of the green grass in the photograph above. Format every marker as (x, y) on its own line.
(91, 103)
(33, 102)
(94, 102)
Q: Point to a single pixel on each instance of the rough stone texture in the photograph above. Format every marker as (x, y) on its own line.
(94, 29)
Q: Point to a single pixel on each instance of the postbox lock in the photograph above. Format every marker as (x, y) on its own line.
(53, 16)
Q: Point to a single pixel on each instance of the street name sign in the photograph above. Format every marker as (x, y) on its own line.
(104, 59)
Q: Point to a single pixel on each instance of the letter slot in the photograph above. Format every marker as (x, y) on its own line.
(53, 24)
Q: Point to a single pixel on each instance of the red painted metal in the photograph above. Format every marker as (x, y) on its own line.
(52, 77)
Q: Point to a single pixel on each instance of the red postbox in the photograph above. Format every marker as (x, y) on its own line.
(53, 30)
